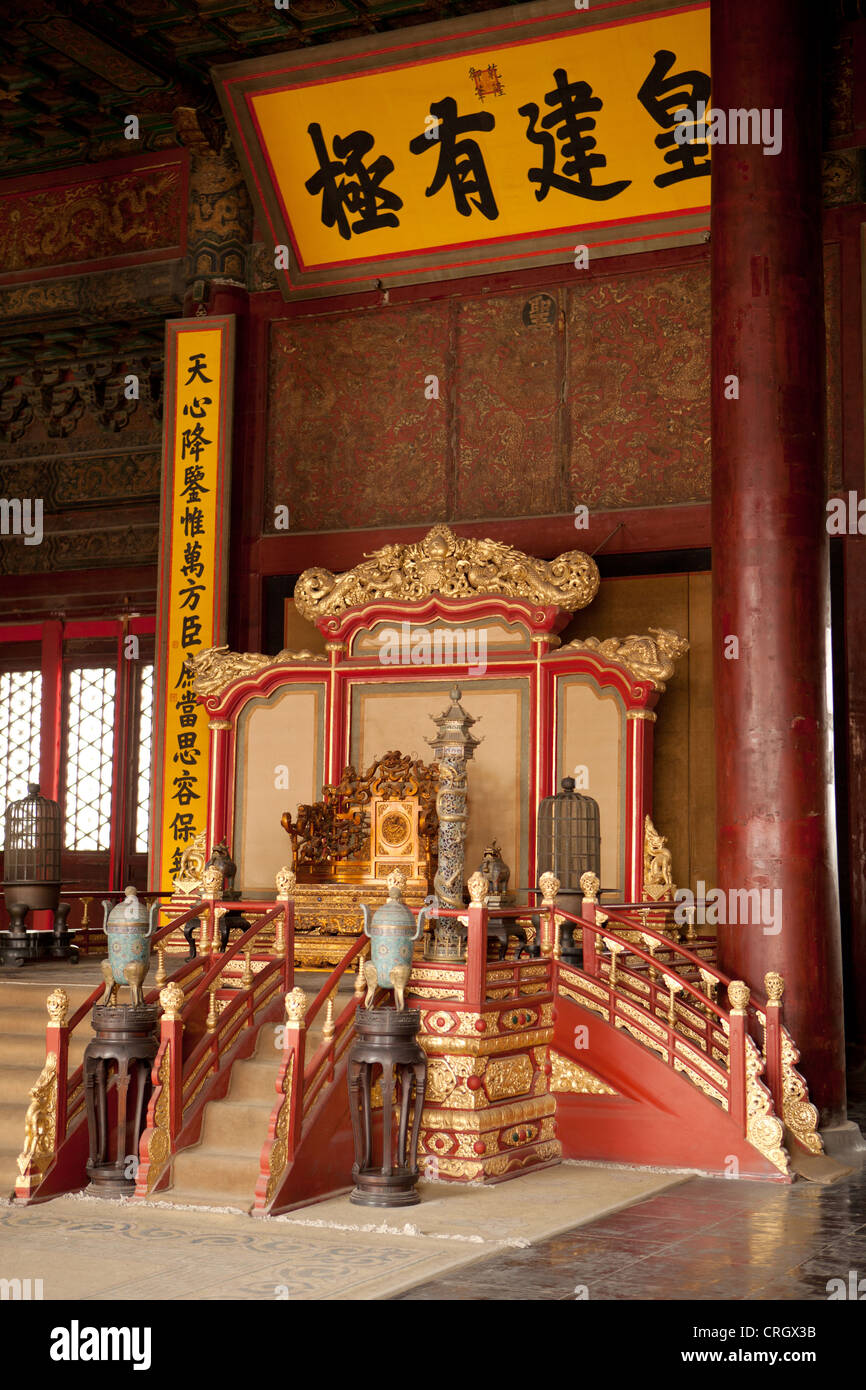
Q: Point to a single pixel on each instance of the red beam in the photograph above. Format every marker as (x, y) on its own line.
(629, 532)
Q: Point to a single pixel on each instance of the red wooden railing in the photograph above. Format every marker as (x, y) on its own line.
(186, 1079)
(57, 1112)
(301, 1085)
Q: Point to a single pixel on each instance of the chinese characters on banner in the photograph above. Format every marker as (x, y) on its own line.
(194, 532)
(434, 159)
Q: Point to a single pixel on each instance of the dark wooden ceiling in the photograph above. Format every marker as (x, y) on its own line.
(72, 70)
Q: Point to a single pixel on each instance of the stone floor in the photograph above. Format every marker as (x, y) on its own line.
(707, 1239)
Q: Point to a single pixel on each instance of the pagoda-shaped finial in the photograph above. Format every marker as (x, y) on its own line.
(453, 739)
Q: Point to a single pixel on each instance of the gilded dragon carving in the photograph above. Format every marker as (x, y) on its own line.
(213, 668)
(454, 566)
(647, 658)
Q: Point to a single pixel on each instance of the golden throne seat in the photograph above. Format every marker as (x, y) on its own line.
(344, 847)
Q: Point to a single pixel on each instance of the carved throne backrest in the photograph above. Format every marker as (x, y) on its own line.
(368, 824)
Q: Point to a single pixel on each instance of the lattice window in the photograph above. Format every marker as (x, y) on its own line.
(89, 755)
(145, 750)
(20, 720)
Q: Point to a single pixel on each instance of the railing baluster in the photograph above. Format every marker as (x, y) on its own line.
(590, 885)
(475, 978)
(774, 987)
(738, 998)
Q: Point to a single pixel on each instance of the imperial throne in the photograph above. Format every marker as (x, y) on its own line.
(344, 847)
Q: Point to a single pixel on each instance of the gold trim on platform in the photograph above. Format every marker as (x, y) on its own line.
(454, 566)
(571, 1076)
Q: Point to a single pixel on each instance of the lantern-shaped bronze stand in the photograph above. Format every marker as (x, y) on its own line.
(32, 880)
(126, 1040)
(569, 844)
(386, 1038)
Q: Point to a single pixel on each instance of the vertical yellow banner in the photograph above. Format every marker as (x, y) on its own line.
(192, 575)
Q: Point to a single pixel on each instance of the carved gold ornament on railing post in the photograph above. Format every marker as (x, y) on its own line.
(247, 977)
(290, 1083)
(738, 998)
(45, 1120)
(549, 885)
(217, 915)
(165, 1108)
(787, 1087)
(590, 886)
(286, 882)
(774, 987)
(475, 976)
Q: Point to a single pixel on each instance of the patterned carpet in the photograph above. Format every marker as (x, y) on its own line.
(88, 1248)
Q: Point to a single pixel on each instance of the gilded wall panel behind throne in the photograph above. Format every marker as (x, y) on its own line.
(280, 763)
(398, 716)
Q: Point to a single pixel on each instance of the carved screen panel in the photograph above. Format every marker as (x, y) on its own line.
(591, 749)
(398, 715)
(280, 763)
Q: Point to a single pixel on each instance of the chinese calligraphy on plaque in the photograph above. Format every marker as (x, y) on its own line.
(570, 128)
(190, 584)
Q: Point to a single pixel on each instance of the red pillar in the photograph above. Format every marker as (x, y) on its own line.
(50, 730)
(770, 545)
(52, 705)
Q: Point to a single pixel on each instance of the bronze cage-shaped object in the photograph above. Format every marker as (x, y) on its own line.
(569, 837)
(32, 851)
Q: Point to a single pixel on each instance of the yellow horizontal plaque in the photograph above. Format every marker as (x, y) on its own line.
(510, 141)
